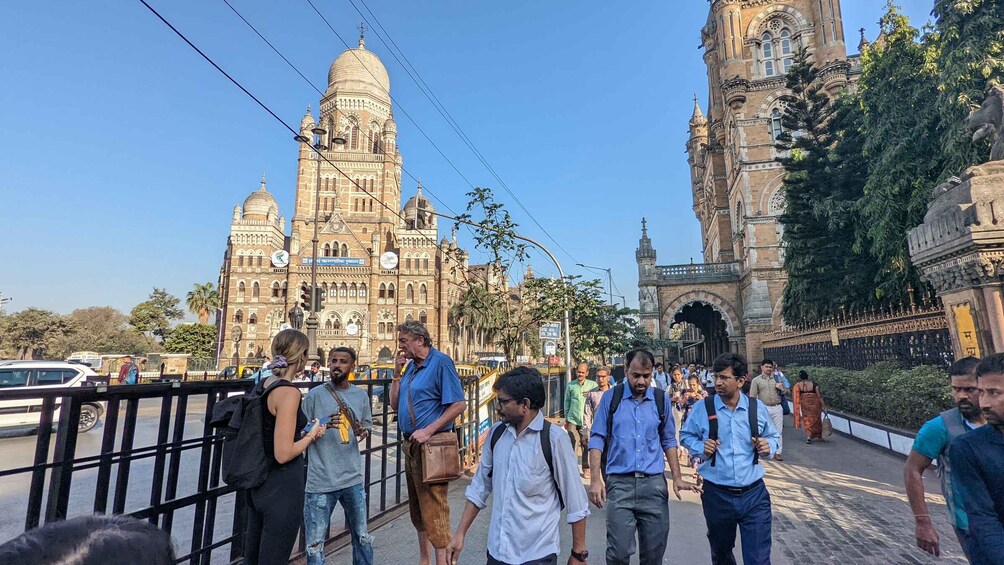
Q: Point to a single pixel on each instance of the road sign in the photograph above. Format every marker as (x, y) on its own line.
(550, 331)
(550, 348)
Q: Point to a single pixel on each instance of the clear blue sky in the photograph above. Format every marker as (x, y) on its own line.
(123, 152)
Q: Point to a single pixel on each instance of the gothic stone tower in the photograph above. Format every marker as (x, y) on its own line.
(749, 45)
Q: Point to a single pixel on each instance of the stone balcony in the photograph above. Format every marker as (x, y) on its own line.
(697, 273)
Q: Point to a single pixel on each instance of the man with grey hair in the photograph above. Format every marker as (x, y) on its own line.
(426, 390)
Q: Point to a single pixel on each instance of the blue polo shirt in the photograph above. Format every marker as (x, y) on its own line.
(434, 384)
(636, 445)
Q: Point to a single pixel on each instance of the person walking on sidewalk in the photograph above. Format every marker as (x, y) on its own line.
(531, 472)
(631, 440)
(769, 389)
(932, 443)
(334, 464)
(593, 398)
(429, 398)
(734, 493)
(575, 401)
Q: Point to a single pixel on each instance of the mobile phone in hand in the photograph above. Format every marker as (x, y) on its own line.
(322, 422)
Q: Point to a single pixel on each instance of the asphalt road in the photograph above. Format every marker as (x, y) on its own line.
(18, 450)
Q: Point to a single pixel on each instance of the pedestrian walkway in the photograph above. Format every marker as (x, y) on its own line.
(839, 502)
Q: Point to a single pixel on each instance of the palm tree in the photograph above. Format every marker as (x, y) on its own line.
(203, 301)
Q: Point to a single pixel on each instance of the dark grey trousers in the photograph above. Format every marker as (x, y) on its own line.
(637, 504)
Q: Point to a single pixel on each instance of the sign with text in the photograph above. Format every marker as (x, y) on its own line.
(336, 261)
(550, 331)
(550, 348)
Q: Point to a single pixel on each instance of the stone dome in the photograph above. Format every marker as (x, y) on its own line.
(260, 204)
(359, 70)
(389, 126)
(417, 211)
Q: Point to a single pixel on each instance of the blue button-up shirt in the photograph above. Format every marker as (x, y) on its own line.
(525, 510)
(433, 385)
(636, 445)
(734, 462)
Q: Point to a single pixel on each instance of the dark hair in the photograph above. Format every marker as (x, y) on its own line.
(91, 540)
(766, 362)
(315, 365)
(964, 367)
(734, 360)
(990, 365)
(693, 378)
(349, 350)
(523, 382)
(803, 375)
(646, 357)
(658, 365)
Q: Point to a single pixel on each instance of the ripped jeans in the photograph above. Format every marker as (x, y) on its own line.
(317, 509)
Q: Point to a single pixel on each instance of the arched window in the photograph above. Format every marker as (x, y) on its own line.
(767, 47)
(240, 290)
(383, 290)
(327, 324)
(786, 51)
(238, 316)
(381, 328)
(776, 124)
(423, 317)
(355, 137)
(353, 290)
(390, 290)
(336, 324)
(345, 250)
(334, 249)
(255, 291)
(326, 250)
(259, 260)
(409, 292)
(423, 293)
(425, 263)
(252, 319)
(240, 260)
(407, 262)
(275, 289)
(343, 291)
(285, 289)
(409, 318)
(362, 290)
(324, 289)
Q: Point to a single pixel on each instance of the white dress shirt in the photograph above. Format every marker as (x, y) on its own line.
(526, 511)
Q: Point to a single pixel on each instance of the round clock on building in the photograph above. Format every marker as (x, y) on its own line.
(388, 260)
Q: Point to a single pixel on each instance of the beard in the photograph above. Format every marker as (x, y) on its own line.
(968, 409)
(993, 418)
(338, 378)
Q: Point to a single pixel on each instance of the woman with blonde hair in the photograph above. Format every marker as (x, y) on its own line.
(275, 508)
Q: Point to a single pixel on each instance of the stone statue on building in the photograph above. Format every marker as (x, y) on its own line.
(988, 122)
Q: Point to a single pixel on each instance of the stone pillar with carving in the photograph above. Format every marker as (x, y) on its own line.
(959, 248)
(648, 294)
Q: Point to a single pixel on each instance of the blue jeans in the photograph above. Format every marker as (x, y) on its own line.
(724, 509)
(317, 509)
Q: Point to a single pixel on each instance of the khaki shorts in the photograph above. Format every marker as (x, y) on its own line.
(429, 505)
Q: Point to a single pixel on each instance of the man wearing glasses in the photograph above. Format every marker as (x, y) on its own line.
(932, 443)
(734, 492)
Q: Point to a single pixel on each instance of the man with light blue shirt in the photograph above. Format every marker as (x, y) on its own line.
(734, 492)
(529, 469)
(636, 437)
(429, 398)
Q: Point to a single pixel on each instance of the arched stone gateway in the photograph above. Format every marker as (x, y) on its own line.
(715, 318)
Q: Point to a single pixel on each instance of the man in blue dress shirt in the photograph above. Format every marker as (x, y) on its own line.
(637, 451)
(734, 492)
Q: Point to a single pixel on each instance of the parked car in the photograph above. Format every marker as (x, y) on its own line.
(239, 371)
(44, 375)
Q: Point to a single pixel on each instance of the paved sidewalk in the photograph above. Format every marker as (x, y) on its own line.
(839, 503)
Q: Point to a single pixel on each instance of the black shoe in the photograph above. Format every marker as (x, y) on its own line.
(808, 441)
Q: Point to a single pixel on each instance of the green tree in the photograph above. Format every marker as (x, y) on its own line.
(106, 330)
(898, 90)
(34, 333)
(154, 316)
(968, 46)
(203, 301)
(198, 340)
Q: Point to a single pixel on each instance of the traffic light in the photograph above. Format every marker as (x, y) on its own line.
(318, 299)
(305, 296)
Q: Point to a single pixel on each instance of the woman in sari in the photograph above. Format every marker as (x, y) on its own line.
(809, 407)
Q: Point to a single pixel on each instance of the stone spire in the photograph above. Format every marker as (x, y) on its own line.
(262, 187)
(698, 117)
(645, 249)
(362, 35)
(864, 44)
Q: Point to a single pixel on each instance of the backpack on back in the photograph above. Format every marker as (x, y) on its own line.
(545, 446)
(709, 405)
(615, 402)
(241, 420)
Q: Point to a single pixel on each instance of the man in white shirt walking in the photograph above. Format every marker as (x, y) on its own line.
(530, 488)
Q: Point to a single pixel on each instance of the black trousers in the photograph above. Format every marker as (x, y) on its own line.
(274, 513)
(549, 560)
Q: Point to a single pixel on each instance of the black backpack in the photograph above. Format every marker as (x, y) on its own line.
(241, 422)
(615, 402)
(709, 405)
(545, 446)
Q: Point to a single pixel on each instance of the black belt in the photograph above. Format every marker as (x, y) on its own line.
(635, 475)
(734, 490)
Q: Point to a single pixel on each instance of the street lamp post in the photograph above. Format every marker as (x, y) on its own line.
(610, 279)
(318, 146)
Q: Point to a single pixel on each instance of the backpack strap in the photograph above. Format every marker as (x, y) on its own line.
(545, 446)
(496, 436)
(952, 419)
(754, 426)
(709, 406)
(615, 401)
(660, 406)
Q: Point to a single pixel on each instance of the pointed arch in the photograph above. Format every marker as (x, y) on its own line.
(255, 290)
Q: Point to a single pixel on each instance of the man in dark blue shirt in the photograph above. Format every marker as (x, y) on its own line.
(978, 466)
(637, 444)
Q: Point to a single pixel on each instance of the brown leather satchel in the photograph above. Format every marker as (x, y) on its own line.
(440, 455)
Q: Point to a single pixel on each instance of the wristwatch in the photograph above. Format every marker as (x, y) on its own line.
(581, 556)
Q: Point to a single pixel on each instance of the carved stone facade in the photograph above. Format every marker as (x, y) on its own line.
(749, 45)
(357, 209)
(959, 249)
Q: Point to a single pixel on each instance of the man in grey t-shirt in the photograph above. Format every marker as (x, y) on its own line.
(334, 464)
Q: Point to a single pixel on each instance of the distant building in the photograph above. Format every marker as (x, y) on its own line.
(365, 297)
(734, 297)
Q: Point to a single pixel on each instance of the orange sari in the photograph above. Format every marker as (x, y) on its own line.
(808, 409)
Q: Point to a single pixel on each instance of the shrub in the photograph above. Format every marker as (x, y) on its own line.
(884, 392)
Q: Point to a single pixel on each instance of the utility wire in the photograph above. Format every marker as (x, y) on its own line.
(437, 103)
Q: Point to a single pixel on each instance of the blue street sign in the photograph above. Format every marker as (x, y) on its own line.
(336, 261)
(550, 331)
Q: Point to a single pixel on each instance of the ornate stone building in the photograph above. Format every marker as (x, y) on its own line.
(734, 297)
(374, 268)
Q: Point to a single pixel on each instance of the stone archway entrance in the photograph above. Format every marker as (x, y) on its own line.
(713, 317)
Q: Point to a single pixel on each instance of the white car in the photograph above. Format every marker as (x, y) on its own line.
(43, 375)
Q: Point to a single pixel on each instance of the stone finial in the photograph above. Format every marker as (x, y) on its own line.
(362, 35)
(864, 43)
(644, 228)
(697, 118)
(262, 187)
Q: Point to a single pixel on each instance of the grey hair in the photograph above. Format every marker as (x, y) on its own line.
(416, 329)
